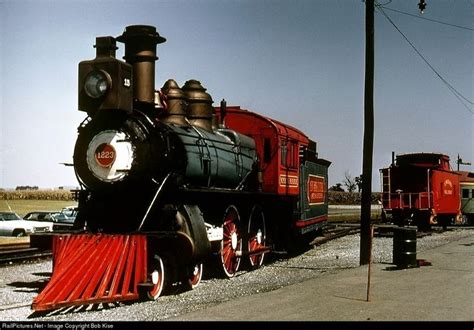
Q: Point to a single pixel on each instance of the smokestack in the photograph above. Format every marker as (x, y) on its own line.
(140, 51)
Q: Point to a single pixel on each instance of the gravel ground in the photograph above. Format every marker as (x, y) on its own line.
(19, 284)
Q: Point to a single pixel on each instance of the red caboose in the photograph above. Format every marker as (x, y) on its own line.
(421, 188)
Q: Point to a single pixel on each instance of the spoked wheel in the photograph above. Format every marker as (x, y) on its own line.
(195, 276)
(256, 237)
(231, 249)
(157, 277)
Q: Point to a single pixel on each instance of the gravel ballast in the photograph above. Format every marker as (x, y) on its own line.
(20, 283)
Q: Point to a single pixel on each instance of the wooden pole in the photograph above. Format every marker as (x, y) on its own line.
(369, 272)
(366, 197)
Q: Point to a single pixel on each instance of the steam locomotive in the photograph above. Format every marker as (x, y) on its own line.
(170, 183)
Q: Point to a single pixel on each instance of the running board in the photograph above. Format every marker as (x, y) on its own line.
(94, 268)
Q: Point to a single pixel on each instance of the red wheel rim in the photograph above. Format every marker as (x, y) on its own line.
(157, 277)
(231, 243)
(196, 276)
(257, 236)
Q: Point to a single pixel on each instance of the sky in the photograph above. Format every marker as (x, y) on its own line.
(300, 62)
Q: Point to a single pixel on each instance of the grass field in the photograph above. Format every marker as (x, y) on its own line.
(353, 217)
(24, 206)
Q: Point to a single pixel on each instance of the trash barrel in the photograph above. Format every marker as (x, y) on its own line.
(404, 247)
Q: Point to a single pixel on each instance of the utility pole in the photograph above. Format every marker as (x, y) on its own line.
(460, 162)
(365, 239)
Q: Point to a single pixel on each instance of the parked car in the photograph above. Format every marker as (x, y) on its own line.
(11, 224)
(63, 220)
(66, 219)
(46, 217)
(69, 211)
(63, 225)
(61, 217)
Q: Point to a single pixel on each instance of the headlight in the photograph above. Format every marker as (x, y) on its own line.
(97, 83)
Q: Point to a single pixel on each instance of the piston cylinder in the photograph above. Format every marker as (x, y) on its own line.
(199, 111)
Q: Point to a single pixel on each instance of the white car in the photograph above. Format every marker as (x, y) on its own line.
(11, 224)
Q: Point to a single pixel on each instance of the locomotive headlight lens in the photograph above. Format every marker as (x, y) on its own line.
(97, 83)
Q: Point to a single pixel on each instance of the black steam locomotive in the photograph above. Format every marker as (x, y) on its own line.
(169, 183)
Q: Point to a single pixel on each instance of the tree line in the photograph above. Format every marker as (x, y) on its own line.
(26, 188)
(350, 183)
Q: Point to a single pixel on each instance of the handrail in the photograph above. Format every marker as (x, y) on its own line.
(428, 175)
(419, 200)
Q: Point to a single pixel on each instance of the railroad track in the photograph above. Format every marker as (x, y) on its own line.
(20, 251)
(14, 250)
(333, 231)
(382, 229)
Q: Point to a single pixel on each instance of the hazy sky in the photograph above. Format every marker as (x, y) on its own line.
(300, 62)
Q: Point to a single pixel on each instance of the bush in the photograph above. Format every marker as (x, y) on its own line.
(55, 195)
(347, 198)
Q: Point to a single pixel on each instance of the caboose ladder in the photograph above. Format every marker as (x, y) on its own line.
(94, 268)
(386, 188)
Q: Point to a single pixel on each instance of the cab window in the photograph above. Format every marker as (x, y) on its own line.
(284, 152)
(267, 150)
(289, 153)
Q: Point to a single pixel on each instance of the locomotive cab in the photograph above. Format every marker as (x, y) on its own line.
(290, 169)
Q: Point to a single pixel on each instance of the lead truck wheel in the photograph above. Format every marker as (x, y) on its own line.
(157, 277)
(195, 276)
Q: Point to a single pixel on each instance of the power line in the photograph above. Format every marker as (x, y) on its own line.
(453, 90)
(427, 19)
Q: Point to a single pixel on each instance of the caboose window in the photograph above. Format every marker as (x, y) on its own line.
(465, 193)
